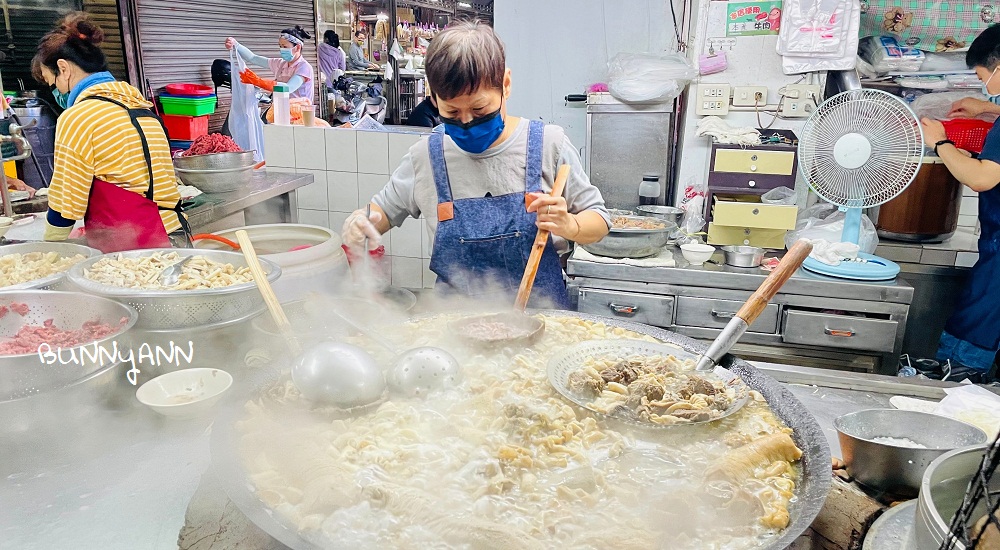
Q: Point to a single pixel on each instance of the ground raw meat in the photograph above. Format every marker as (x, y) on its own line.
(30, 337)
(213, 143)
(20, 309)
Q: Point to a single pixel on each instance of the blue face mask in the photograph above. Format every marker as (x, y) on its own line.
(477, 135)
(62, 99)
(287, 54)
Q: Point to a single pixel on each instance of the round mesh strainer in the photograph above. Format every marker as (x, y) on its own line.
(571, 360)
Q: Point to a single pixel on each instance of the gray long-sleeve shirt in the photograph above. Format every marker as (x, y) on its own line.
(356, 58)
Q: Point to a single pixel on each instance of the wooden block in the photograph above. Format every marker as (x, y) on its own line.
(846, 517)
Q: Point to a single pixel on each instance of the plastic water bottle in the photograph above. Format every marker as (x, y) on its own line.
(649, 189)
(282, 107)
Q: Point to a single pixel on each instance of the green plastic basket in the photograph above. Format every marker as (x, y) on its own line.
(188, 106)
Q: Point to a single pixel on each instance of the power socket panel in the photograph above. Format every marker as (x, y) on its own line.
(748, 96)
(800, 100)
(712, 99)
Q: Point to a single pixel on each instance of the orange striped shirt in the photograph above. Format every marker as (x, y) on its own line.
(97, 139)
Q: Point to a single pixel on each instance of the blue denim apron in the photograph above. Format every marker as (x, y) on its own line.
(482, 244)
(976, 319)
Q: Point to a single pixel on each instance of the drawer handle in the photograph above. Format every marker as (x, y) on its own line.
(723, 314)
(839, 333)
(627, 311)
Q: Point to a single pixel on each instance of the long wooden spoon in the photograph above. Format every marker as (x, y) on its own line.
(538, 247)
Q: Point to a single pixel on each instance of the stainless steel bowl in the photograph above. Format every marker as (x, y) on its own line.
(633, 243)
(743, 256)
(215, 161)
(25, 374)
(941, 492)
(56, 281)
(615, 212)
(666, 213)
(216, 181)
(896, 469)
(182, 309)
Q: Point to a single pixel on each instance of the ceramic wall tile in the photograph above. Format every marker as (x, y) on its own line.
(314, 217)
(966, 259)
(970, 206)
(341, 150)
(968, 221)
(399, 145)
(343, 191)
(337, 220)
(373, 152)
(315, 195)
(310, 148)
(369, 185)
(407, 272)
(279, 146)
(427, 239)
(407, 239)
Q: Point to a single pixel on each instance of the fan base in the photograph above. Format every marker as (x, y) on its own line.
(874, 268)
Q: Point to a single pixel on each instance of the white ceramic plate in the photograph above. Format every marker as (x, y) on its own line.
(184, 393)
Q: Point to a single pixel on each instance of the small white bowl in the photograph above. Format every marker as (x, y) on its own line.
(184, 393)
(697, 254)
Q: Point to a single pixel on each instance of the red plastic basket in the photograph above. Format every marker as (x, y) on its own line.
(185, 128)
(196, 90)
(967, 133)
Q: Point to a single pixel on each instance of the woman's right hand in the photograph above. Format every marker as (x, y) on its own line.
(358, 226)
(231, 43)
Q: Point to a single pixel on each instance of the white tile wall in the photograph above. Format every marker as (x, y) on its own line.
(313, 196)
(348, 168)
(970, 206)
(967, 220)
(966, 259)
(341, 150)
(342, 191)
(373, 152)
(279, 146)
(310, 148)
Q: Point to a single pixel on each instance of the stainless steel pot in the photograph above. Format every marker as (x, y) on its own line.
(667, 213)
(215, 161)
(811, 491)
(743, 256)
(632, 243)
(941, 492)
(892, 468)
(216, 181)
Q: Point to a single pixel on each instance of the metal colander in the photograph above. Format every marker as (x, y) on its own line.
(570, 360)
(24, 375)
(215, 161)
(182, 309)
(55, 281)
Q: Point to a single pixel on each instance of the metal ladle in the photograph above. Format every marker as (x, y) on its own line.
(330, 373)
(415, 372)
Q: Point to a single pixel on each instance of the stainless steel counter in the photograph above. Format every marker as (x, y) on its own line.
(127, 486)
(268, 199)
(814, 320)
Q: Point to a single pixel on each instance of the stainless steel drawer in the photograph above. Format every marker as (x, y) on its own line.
(839, 331)
(650, 309)
(709, 313)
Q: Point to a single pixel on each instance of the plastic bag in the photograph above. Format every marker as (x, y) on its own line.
(644, 78)
(844, 33)
(970, 403)
(938, 105)
(779, 195)
(886, 55)
(693, 219)
(245, 124)
(825, 221)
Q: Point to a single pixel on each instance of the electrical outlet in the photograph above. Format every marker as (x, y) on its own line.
(799, 100)
(711, 99)
(748, 96)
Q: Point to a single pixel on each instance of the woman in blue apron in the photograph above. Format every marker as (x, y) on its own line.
(972, 334)
(482, 179)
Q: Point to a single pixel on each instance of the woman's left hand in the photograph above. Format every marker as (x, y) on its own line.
(933, 131)
(553, 216)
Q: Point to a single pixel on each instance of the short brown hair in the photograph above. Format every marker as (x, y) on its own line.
(77, 39)
(463, 58)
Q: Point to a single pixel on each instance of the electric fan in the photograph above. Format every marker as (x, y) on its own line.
(858, 150)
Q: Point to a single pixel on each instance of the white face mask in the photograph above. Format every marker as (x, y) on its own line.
(994, 98)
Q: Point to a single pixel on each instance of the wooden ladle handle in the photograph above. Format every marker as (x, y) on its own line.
(264, 286)
(790, 262)
(538, 247)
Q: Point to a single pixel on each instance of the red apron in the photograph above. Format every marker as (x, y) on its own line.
(118, 219)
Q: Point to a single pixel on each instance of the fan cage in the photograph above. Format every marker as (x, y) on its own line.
(892, 130)
(977, 496)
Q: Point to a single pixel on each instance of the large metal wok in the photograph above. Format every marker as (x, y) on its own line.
(811, 491)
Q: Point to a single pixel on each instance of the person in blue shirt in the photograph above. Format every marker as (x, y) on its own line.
(972, 334)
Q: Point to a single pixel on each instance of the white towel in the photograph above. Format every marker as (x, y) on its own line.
(664, 259)
(721, 132)
(188, 191)
(833, 253)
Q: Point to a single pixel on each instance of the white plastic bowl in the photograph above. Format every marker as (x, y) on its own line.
(697, 254)
(184, 393)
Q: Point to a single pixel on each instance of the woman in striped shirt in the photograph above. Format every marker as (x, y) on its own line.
(112, 159)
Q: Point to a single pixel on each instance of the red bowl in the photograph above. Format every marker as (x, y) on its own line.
(189, 89)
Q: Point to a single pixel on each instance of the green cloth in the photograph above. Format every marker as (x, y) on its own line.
(930, 25)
